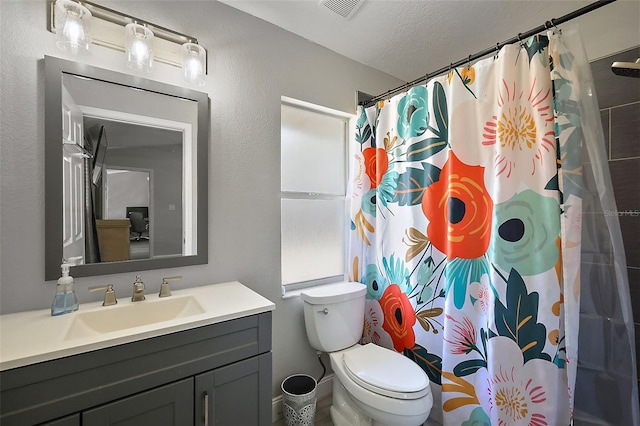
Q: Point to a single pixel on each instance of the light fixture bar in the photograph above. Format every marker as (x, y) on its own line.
(108, 31)
(121, 19)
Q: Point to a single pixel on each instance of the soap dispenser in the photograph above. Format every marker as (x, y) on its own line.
(65, 300)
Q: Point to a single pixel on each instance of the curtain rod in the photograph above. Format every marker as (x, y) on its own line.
(519, 38)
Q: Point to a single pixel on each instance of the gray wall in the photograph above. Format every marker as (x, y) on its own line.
(251, 64)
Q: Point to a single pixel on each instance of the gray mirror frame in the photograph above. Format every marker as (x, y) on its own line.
(53, 70)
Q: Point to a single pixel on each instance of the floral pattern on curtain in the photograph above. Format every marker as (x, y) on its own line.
(465, 199)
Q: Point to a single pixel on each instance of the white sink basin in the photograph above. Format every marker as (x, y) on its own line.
(135, 314)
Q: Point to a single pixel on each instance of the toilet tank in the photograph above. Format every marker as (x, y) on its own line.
(334, 315)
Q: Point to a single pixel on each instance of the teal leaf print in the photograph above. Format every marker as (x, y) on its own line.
(363, 132)
(363, 135)
(387, 187)
(536, 45)
(425, 273)
(397, 273)
(469, 367)
(552, 185)
(462, 272)
(483, 338)
(425, 148)
(430, 363)
(560, 362)
(571, 160)
(566, 60)
(478, 418)
(425, 294)
(518, 320)
(440, 112)
(413, 182)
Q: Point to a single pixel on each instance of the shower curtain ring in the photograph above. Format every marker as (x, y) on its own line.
(469, 62)
(554, 26)
(520, 40)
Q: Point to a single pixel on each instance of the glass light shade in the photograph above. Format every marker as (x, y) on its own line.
(73, 27)
(194, 60)
(139, 47)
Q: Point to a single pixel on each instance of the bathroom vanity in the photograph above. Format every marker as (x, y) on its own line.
(209, 366)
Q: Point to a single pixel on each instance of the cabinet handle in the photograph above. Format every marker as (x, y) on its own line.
(206, 409)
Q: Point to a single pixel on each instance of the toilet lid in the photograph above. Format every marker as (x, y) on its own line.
(386, 372)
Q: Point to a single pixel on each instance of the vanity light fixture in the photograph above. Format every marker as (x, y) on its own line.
(194, 63)
(139, 47)
(74, 22)
(149, 42)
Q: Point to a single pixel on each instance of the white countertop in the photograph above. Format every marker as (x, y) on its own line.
(36, 336)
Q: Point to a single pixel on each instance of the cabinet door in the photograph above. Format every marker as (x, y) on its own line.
(236, 395)
(170, 405)
(73, 420)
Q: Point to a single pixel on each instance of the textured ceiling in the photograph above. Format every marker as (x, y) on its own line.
(405, 38)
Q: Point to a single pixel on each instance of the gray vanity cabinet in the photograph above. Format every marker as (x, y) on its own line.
(163, 380)
(169, 405)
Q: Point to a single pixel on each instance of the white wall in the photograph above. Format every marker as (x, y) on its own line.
(252, 64)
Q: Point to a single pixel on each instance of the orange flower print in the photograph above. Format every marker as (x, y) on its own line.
(376, 164)
(459, 210)
(399, 317)
(521, 129)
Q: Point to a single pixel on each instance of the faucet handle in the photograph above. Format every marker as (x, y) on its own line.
(164, 287)
(138, 290)
(109, 295)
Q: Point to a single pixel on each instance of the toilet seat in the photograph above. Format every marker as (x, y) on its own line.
(385, 372)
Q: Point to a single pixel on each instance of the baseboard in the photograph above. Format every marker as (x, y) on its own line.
(324, 389)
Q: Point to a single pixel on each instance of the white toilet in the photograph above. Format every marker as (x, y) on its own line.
(372, 385)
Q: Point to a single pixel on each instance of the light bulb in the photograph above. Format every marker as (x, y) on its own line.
(194, 63)
(73, 27)
(139, 47)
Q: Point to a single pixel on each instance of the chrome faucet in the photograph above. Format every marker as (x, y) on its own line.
(138, 290)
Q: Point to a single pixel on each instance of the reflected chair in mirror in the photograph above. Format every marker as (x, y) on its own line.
(138, 226)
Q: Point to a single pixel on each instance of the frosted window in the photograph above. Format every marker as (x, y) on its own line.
(313, 152)
(312, 239)
(313, 183)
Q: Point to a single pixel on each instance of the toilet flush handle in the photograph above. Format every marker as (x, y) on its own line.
(324, 311)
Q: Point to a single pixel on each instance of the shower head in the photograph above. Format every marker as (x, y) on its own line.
(627, 69)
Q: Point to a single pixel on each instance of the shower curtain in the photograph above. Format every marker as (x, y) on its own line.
(466, 215)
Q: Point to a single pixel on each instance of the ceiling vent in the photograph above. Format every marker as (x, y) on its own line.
(344, 8)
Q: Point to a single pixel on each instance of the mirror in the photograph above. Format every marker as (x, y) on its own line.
(125, 171)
